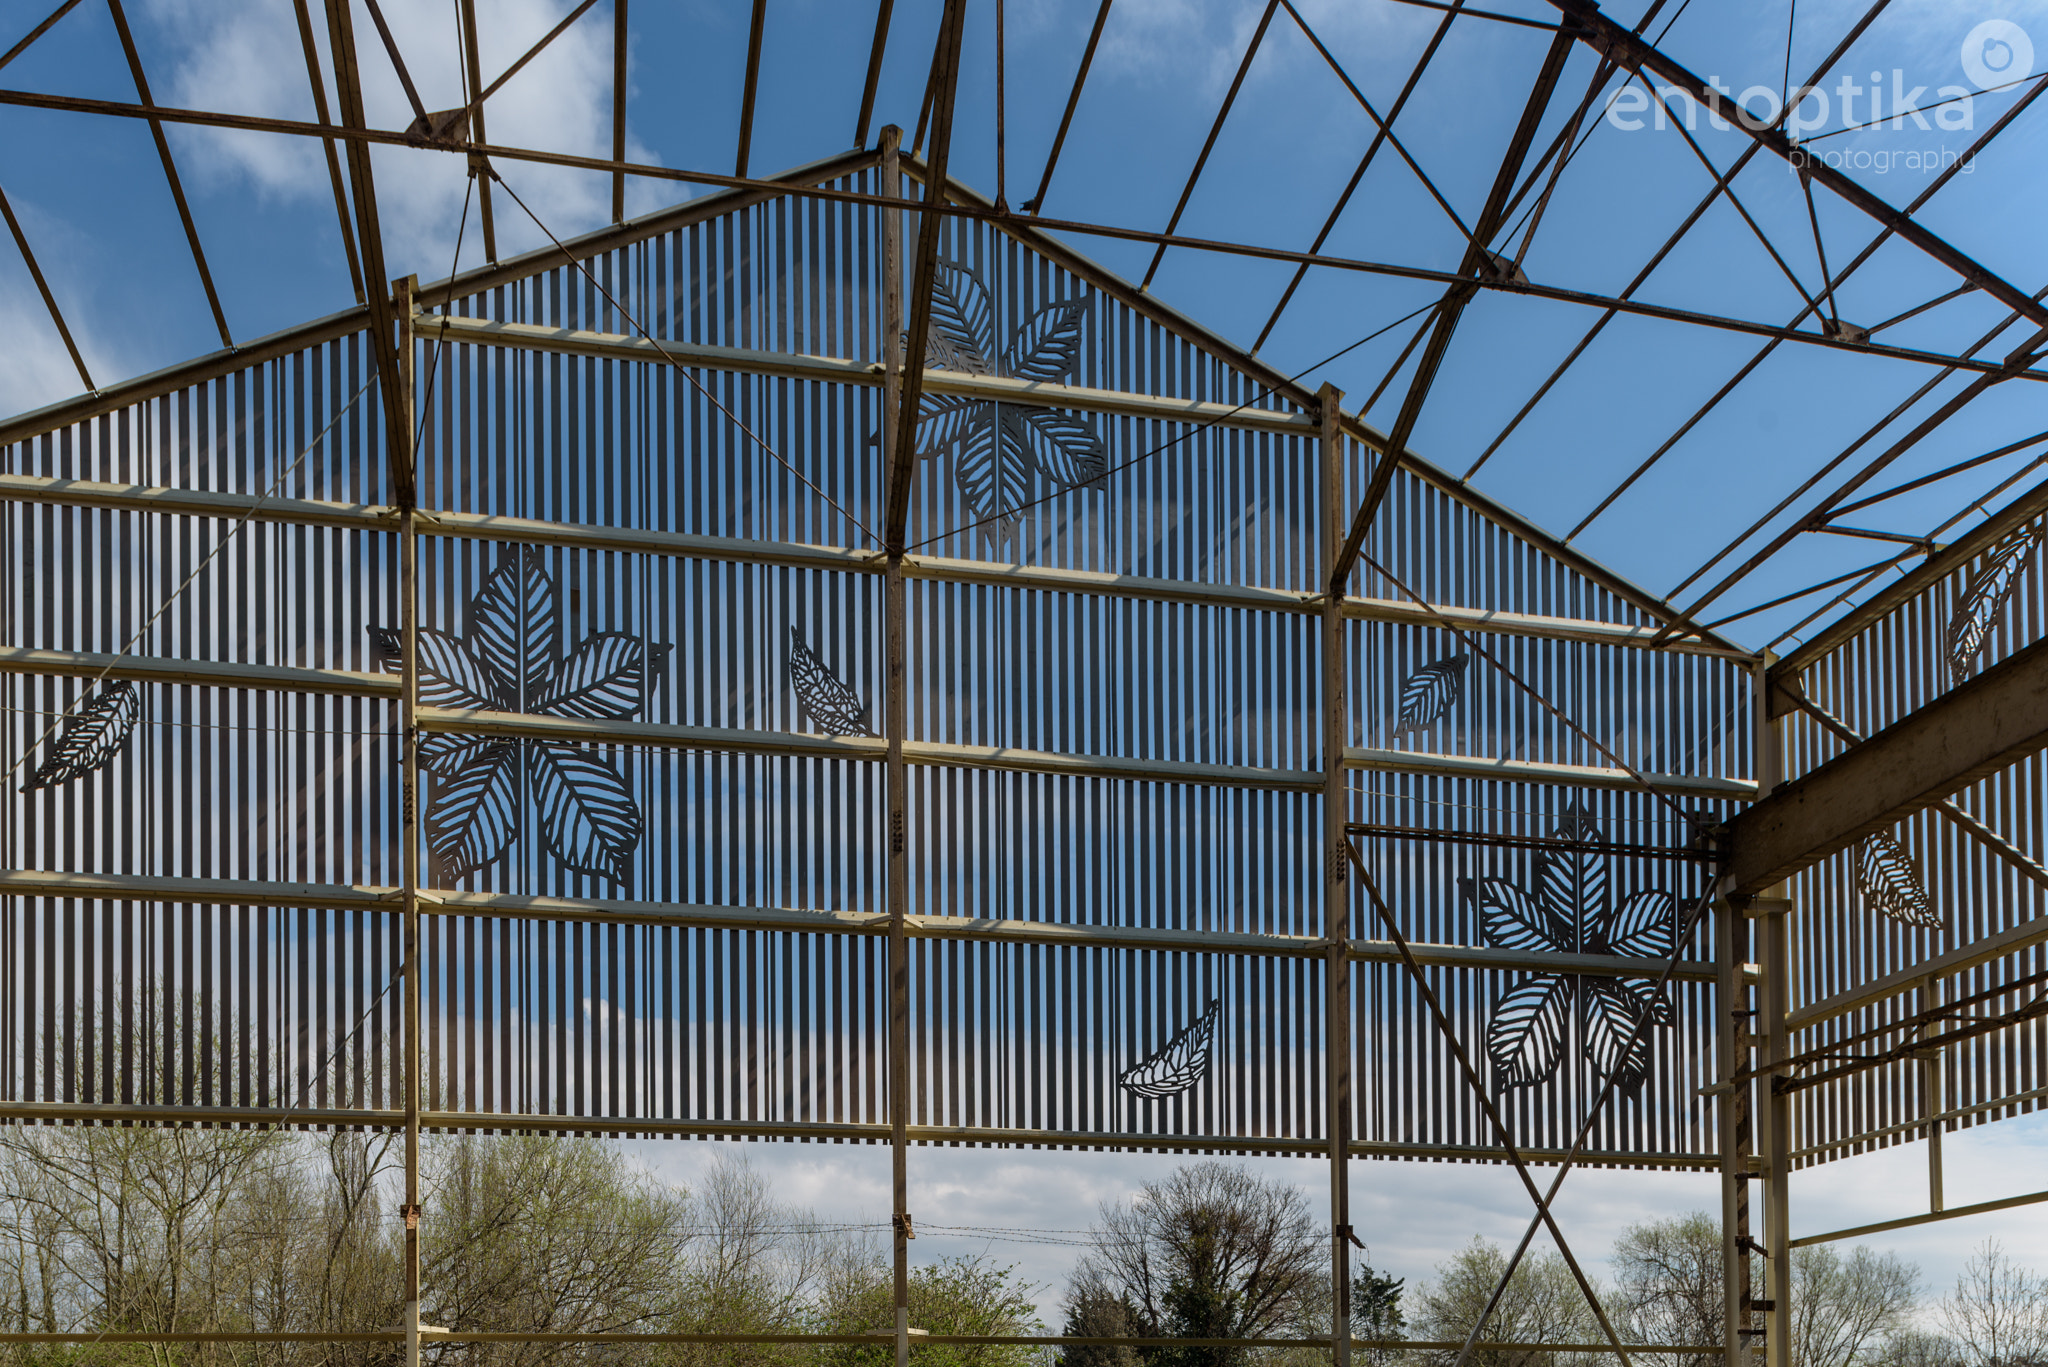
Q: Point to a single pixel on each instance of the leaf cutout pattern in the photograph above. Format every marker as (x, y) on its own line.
(1570, 907)
(1889, 883)
(833, 707)
(512, 628)
(993, 471)
(1525, 1037)
(508, 658)
(999, 451)
(473, 813)
(1064, 447)
(963, 318)
(1180, 1064)
(1428, 695)
(607, 675)
(587, 816)
(93, 734)
(1617, 1042)
(1984, 595)
(1047, 347)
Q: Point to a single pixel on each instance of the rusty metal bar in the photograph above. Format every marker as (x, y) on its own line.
(474, 72)
(1036, 204)
(884, 10)
(751, 86)
(619, 53)
(35, 271)
(38, 31)
(318, 84)
(163, 152)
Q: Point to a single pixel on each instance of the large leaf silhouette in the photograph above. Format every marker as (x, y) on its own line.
(93, 734)
(944, 423)
(1525, 1038)
(1984, 594)
(1048, 346)
(833, 707)
(474, 813)
(1640, 928)
(1617, 1040)
(587, 815)
(1889, 884)
(1510, 918)
(1062, 445)
(1572, 884)
(993, 472)
(450, 676)
(962, 320)
(606, 675)
(512, 627)
(1430, 693)
(1180, 1063)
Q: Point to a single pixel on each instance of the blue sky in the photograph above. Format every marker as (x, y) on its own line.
(93, 202)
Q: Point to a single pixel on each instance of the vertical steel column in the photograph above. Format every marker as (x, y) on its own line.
(1775, 1007)
(408, 806)
(1733, 946)
(1933, 1097)
(894, 724)
(1336, 876)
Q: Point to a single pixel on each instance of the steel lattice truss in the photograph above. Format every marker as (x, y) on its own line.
(830, 660)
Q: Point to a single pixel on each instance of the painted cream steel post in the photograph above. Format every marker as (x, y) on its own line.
(1737, 1043)
(895, 718)
(408, 805)
(1933, 1097)
(1775, 1010)
(1336, 871)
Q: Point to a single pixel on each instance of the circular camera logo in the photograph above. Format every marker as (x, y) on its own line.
(1997, 52)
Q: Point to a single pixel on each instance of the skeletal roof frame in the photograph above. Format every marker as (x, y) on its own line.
(1949, 749)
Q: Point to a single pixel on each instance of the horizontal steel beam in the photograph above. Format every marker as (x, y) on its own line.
(935, 569)
(1975, 729)
(1531, 771)
(1908, 1221)
(451, 902)
(812, 1130)
(204, 673)
(838, 370)
(1958, 960)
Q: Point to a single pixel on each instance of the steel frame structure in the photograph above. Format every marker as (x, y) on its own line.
(1817, 1040)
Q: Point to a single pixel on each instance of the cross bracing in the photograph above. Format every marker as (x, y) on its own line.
(854, 607)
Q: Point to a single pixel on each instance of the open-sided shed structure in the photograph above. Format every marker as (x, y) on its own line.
(830, 662)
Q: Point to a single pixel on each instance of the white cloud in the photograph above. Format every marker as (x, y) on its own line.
(35, 369)
(247, 56)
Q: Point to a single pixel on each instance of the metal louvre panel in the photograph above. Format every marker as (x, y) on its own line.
(1409, 1089)
(115, 1002)
(625, 1023)
(1905, 658)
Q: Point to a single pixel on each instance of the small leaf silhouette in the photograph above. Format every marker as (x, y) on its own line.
(830, 704)
(1983, 596)
(93, 734)
(387, 647)
(1048, 346)
(1063, 447)
(1889, 884)
(1180, 1064)
(1430, 693)
(1525, 1038)
(587, 816)
(475, 809)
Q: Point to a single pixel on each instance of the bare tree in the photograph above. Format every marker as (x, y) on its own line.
(1541, 1304)
(1211, 1251)
(1998, 1313)
(1667, 1290)
(1843, 1309)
